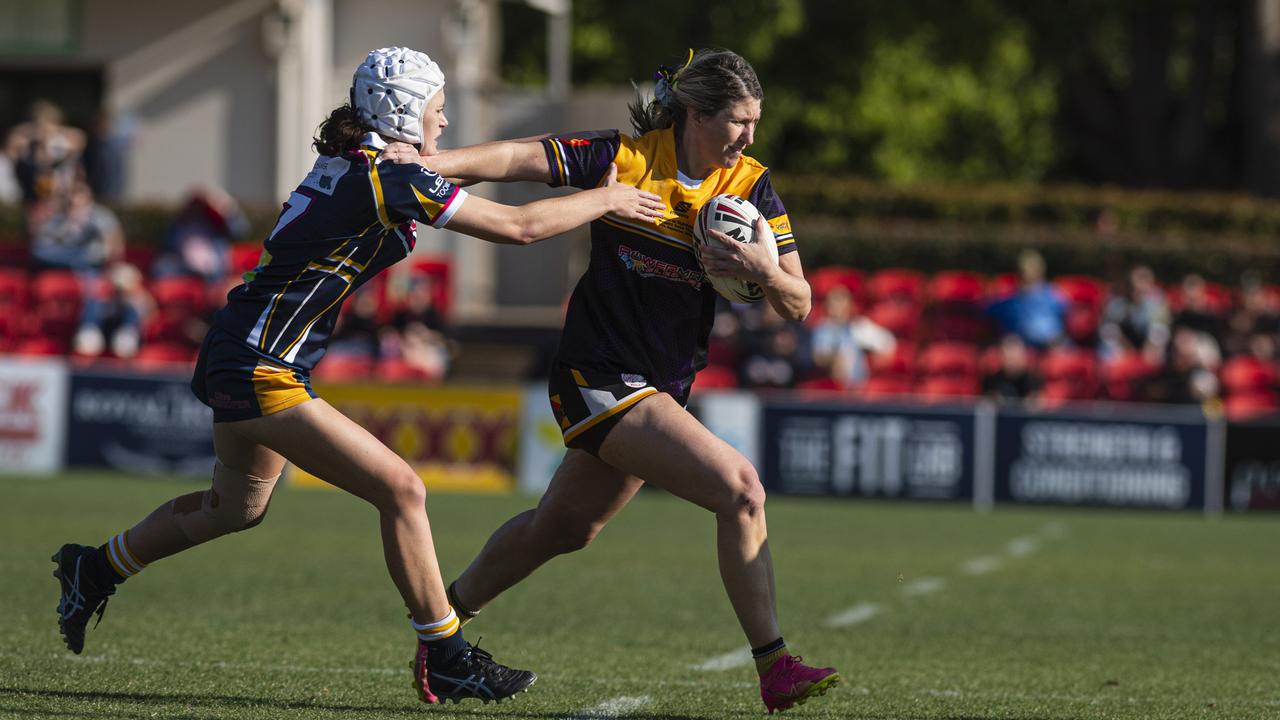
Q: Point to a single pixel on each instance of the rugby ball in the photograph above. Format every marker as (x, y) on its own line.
(736, 218)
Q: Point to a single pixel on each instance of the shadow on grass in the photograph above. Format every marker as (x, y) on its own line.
(229, 702)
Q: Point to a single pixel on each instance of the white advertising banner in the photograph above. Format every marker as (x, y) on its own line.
(734, 416)
(541, 444)
(33, 412)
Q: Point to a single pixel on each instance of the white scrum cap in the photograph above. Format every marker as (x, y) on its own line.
(391, 88)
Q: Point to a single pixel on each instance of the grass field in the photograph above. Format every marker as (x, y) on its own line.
(929, 611)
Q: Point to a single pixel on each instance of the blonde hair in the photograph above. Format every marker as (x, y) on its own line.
(710, 80)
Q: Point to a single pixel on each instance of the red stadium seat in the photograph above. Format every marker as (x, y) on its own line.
(825, 384)
(13, 289)
(949, 359)
(1001, 287)
(244, 257)
(344, 368)
(42, 346)
(901, 363)
(1072, 374)
(898, 317)
(1082, 324)
(396, 370)
(957, 287)
(1250, 406)
(1247, 375)
(182, 294)
(942, 388)
(897, 284)
(714, 377)
(885, 387)
(1123, 376)
(823, 280)
(56, 298)
(164, 355)
(1082, 290)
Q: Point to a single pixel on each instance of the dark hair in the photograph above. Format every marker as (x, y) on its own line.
(711, 81)
(341, 132)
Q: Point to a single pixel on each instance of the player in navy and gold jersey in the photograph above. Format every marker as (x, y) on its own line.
(636, 334)
(353, 215)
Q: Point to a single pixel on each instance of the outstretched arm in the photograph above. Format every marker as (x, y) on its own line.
(501, 161)
(527, 224)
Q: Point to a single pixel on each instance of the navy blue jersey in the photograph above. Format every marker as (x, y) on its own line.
(643, 307)
(350, 218)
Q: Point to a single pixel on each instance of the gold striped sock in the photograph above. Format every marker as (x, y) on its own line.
(439, 629)
(122, 559)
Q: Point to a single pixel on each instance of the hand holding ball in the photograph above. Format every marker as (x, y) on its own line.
(723, 220)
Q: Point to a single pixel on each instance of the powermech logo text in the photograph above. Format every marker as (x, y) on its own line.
(646, 266)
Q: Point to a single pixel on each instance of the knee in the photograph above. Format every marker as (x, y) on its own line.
(744, 496)
(405, 491)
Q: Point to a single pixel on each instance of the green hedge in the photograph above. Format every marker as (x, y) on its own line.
(931, 246)
(1065, 206)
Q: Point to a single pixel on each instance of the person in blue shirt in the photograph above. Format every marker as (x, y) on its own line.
(1036, 313)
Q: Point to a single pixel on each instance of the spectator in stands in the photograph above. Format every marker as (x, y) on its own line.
(115, 319)
(1197, 311)
(358, 332)
(76, 234)
(842, 339)
(1036, 313)
(46, 154)
(1014, 379)
(10, 193)
(1137, 320)
(775, 353)
(1258, 315)
(1190, 374)
(106, 155)
(417, 320)
(198, 241)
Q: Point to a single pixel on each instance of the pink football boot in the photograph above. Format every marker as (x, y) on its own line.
(789, 683)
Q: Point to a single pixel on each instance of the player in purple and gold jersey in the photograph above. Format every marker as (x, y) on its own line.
(636, 334)
(353, 215)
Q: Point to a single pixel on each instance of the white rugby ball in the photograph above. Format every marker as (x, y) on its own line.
(736, 218)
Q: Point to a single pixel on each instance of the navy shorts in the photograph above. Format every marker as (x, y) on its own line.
(240, 384)
(589, 403)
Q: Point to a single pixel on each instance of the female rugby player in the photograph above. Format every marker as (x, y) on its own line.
(352, 216)
(636, 333)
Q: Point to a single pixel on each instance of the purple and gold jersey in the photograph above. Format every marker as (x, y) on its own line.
(350, 218)
(644, 307)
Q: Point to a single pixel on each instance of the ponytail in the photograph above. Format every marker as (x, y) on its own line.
(340, 133)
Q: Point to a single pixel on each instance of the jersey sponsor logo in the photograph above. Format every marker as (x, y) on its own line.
(325, 174)
(780, 225)
(575, 142)
(682, 207)
(646, 266)
(632, 380)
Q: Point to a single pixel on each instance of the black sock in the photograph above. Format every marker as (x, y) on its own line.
(440, 653)
(100, 570)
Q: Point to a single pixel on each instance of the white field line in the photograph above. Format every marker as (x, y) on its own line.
(726, 661)
(981, 565)
(1021, 547)
(859, 613)
(617, 707)
(923, 586)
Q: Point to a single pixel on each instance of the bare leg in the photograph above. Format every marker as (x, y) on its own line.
(582, 497)
(698, 466)
(158, 536)
(324, 442)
